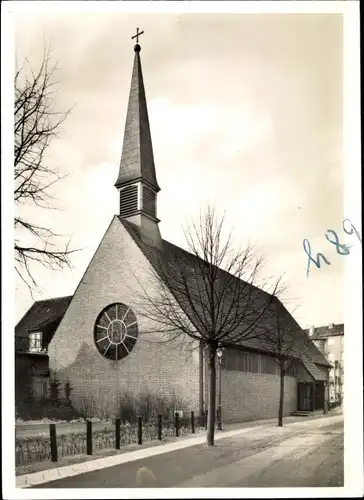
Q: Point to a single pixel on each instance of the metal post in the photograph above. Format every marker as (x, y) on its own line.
(117, 433)
(313, 396)
(220, 353)
(53, 440)
(219, 418)
(160, 427)
(193, 422)
(140, 430)
(89, 437)
(176, 417)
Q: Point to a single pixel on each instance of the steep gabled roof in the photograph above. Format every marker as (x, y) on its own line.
(155, 256)
(137, 160)
(314, 368)
(323, 332)
(43, 315)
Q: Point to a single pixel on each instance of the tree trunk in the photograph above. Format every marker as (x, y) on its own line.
(281, 398)
(201, 380)
(211, 351)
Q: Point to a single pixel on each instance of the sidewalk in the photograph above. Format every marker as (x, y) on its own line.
(75, 465)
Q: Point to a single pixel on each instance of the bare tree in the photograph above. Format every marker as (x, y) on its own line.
(208, 295)
(36, 124)
(286, 343)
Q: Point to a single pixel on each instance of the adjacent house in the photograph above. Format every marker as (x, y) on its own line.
(330, 340)
(32, 336)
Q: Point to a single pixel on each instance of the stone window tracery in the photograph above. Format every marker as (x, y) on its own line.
(116, 331)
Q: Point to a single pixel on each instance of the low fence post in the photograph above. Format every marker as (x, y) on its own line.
(192, 422)
(219, 419)
(160, 427)
(53, 440)
(140, 430)
(89, 437)
(176, 423)
(117, 433)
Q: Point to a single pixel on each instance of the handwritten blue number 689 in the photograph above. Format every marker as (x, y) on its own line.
(341, 248)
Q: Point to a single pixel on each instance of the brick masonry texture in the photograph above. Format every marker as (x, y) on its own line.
(249, 396)
(115, 274)
(118, 272)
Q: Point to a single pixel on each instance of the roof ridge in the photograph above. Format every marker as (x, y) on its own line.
(134, 232)
(53, 298)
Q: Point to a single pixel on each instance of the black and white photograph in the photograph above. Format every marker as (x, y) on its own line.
(182, 252)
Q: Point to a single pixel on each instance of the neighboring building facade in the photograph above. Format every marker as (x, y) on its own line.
(32, 336)
(103, 343)
(329, 339)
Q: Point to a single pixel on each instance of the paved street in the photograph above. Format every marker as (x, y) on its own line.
(307, 453)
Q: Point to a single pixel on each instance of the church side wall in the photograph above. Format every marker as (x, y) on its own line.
(250, 396)
(115, 274)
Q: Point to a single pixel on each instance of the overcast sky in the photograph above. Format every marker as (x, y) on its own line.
(245, 112)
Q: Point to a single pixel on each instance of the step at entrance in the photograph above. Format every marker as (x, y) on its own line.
(300, 413)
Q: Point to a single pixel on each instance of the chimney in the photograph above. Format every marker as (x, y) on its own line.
(311, 330)
(331, 326)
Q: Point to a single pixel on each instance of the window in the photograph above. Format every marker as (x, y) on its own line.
(235, 360)
(330, 341)
(291, 371)
(245, 362)
(35, 342)
(260, 363)
(331, 357)
(268, 365)
(253, 363)
(40, 388)
(116, 331)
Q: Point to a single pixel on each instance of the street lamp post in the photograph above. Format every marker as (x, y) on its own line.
(219, 354)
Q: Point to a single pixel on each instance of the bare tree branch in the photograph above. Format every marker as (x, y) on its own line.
(36, 124)
(286, 343)
(208, 294)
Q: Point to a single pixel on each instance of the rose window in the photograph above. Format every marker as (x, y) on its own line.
(116, 331)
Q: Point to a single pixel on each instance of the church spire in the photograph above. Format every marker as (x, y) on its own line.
(137, 181)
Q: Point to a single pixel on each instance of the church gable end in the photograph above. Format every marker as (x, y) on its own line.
(102, 349)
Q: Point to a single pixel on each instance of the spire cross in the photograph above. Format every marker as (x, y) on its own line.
(137, 35)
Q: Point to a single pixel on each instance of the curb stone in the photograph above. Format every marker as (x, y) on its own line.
(92, 465)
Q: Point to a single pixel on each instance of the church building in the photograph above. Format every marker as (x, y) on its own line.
(94, 339)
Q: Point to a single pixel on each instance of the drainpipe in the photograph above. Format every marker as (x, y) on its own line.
(325, 398)
(314, 397)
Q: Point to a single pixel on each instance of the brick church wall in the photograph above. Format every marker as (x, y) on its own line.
(246, 395)
(114, 275)
(249, 396)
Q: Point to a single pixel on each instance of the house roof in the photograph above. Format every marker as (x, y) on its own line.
(323, 332)
(43, 315)
(314, 368)
(173, 255)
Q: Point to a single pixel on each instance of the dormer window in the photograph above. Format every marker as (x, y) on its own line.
(35, 342)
